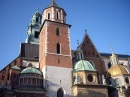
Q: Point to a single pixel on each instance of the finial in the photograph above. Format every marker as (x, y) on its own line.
(37, 9)
(85, 31)
(78, 42)
(111, 48)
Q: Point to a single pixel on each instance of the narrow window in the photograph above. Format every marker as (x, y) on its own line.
(109, 65)
(48, 15)
(57, 32)
(36, 34)
(60, 93)
(57, 15)
(58, 48)
(81, 56)
(36, 19)
(8, 76)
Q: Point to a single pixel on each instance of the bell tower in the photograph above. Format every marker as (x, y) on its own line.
(55, 52)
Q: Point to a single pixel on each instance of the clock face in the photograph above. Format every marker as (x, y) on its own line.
(79, 79)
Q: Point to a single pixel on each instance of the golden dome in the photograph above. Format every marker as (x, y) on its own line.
(116, 70)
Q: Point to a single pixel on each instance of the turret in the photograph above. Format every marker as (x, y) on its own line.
(79, 53)
(113, 58)
(33, 30)
(54, 13)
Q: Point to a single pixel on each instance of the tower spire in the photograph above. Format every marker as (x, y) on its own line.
(53, 4)
(86, 31)
(114, 59)
(111, 49)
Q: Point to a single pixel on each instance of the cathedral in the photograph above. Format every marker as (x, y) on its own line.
(47, 66)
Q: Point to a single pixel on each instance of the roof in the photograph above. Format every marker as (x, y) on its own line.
(116, 70)
(9, 64)
(119, 55)
(83, 65)
(15, 67)
(31, 70)
(29, 51)
(53, 4)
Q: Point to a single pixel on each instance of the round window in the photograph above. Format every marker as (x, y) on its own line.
(90, 78)
(127, 80)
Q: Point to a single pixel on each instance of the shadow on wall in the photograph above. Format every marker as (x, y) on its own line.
(112, 91)
(59, 90)
(91, 93)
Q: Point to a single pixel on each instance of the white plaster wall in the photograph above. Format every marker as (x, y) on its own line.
(58, 77)
(25, 63)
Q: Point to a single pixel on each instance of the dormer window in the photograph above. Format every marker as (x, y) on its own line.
(48, 15)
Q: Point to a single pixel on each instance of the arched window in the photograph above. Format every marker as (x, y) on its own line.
(58, 48)
(48, 15)
(57, 15)
(30, 65)
(109, 65)
(60, 92)
(57, 32)
(36, 19)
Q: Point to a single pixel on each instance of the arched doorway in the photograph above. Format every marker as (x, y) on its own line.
(60, 92)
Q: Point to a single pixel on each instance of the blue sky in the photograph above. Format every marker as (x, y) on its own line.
(107, 22)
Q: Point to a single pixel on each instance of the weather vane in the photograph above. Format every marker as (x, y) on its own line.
(37, 9)
(111, 48)
(85, 31)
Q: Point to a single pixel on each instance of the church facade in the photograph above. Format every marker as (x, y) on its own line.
(47, 67)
